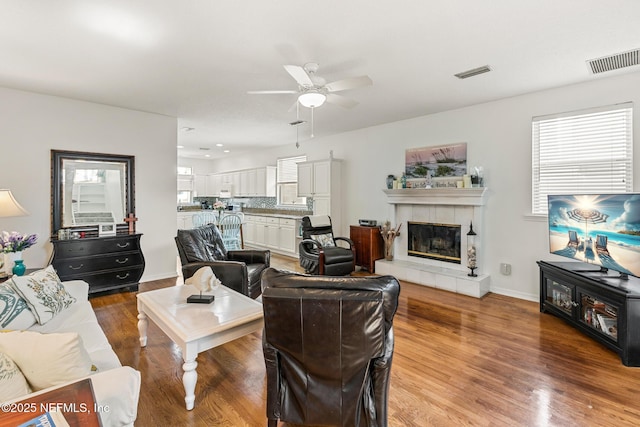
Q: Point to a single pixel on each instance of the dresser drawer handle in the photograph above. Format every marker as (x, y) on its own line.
(76, 268)
(122, 277)
(123, 246)
(80, 249)
(123, 261)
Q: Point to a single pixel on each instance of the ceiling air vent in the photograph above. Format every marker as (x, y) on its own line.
(614, 62)
(473, 72)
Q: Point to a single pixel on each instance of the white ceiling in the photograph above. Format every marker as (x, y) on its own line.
(196, 59)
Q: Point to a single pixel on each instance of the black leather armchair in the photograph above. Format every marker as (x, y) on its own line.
(328, 347)
(319, 250)
(239, 270)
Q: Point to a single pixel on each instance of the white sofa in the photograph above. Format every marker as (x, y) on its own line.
(116, 387)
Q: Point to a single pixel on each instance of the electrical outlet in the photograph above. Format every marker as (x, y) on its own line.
(505, 269)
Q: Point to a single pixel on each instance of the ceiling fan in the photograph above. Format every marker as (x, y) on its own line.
(313, 90)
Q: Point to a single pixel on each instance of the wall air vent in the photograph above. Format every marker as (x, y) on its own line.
(614, 62)
(473, 72)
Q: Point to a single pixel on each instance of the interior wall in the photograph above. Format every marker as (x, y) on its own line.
(31, 125)
(498, 137)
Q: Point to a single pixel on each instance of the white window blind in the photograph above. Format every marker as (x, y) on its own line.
(582, 152)
(288, 168)
(287, 181)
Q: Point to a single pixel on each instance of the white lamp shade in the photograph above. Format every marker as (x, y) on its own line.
(9, 205)
(312, 99)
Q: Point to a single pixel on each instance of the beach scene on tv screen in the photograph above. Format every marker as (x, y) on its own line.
(597, 229)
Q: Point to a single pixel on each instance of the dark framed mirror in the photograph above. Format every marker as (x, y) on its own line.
(90, 189)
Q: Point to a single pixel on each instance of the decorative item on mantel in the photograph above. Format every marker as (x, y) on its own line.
(203, 280)
(477, 176)
(390, 179)
(13, 244)
(471, 251)
(389, 234)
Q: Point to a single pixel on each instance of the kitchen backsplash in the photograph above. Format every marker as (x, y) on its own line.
(269, 203)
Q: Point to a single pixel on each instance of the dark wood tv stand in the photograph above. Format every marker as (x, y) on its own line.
(600, 303)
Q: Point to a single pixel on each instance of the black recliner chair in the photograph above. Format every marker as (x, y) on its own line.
(239, 270)
(328, 347)
(319, 250)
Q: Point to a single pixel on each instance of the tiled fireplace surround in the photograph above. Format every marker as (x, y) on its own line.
(447, 206)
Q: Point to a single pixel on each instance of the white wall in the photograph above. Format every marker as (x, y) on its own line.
(498, 137)
(31, 125)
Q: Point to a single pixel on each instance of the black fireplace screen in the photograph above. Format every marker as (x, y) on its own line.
(434, 241)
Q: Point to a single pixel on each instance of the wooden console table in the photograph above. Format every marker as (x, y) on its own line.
(76, 402)
(369, 246)
(105, 263)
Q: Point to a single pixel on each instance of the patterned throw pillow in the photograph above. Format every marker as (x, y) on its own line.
(43, 292)
(326, 240)
(12, 383)
(14, 312)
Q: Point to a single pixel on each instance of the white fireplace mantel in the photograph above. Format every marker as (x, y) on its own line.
(442, 205)
(437, 196)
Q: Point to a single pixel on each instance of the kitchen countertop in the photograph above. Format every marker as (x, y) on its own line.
(269, 213)
(275, 215)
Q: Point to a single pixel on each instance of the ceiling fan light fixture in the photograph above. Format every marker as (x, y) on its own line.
(312, 99)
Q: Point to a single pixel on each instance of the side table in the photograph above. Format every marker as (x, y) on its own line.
(369, 246)
(76, 401)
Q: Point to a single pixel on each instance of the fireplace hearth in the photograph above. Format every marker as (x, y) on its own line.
(448, 206)
(434, 241)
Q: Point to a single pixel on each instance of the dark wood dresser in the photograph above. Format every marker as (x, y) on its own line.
(105, 263)
(369, 246)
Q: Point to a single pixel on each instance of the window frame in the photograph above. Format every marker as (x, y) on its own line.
(565, 145)
(285, 179)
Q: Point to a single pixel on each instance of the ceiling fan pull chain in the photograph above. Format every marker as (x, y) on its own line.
(312, 122)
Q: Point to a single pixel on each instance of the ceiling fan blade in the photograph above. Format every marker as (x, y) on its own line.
(269, 92)
(340, 100)
(299, 74)
(349, 83)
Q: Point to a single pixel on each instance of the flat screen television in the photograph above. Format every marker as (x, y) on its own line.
(598, 229)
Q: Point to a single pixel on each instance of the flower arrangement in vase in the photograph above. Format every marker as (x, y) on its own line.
(13, 244)
(219, 206)
(388, 235)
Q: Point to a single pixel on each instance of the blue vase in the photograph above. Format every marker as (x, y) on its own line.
(19, 268)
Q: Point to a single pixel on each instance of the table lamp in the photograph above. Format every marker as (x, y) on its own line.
(9, 206)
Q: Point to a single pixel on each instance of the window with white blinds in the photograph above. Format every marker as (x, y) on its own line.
(582, 152)
(287, 181)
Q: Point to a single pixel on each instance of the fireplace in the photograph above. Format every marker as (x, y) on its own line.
(434, 241)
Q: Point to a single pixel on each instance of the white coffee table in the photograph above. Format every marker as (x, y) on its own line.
(197, 327)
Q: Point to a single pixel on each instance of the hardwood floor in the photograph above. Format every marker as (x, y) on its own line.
(458, 360)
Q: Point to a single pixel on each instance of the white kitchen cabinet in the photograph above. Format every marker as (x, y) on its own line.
(272, 231)
(214, 185)
(287, 235)
(235, 183)
(199, 185)
(249, 230)
(305, 179)
(321, 180)
(266, 182)
(185, 221)
(260, 228)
